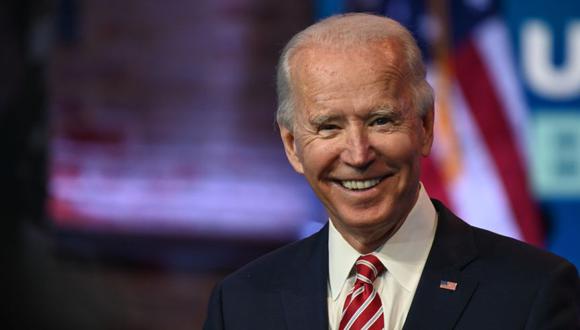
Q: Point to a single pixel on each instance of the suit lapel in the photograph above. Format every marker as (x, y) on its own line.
(453, 249)
(304, 288)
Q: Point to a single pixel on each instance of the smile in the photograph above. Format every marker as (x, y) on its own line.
(359, 184)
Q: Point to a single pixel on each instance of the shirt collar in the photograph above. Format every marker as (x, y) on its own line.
(404, 254)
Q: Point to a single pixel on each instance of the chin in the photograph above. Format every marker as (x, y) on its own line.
(366, 220)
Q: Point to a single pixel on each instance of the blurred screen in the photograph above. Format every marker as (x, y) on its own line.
(162, 120)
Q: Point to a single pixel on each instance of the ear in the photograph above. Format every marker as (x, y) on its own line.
(290, 148)
(427, 123)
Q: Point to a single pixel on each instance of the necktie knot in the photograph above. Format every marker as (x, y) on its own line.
(368, 267)
(363, 308)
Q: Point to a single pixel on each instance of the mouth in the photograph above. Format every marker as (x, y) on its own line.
(358, 185)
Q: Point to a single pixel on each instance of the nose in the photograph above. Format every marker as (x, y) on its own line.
(358, 151)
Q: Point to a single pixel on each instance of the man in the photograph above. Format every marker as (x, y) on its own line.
(356, 116)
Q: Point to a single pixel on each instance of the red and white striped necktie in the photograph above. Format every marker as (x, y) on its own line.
(363, 309)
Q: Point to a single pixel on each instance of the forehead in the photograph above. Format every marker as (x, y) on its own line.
(322, 59)
(325, 73)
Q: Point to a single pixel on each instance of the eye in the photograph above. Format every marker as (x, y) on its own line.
(380, 121)
(327, 127)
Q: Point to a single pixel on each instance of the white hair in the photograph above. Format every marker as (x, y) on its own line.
(345, 31)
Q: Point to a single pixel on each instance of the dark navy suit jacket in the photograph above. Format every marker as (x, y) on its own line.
(501, 284)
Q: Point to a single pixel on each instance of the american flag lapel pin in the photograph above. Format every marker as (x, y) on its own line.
(448, 285)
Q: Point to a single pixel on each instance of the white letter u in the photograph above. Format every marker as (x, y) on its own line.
(541, 74)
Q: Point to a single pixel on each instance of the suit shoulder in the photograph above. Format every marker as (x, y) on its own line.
(515, 255)
(498, 252)
(274, 265)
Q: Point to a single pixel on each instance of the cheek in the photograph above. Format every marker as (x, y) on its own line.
(399, 147)
(318, 155)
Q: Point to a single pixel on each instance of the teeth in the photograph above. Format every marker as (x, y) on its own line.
(359, 184)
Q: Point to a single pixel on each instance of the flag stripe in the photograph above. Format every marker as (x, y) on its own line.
(492, 42)
(490, 118)
(491, 209)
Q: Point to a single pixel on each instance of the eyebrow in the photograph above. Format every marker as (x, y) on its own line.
(385, 110)
(321, 119)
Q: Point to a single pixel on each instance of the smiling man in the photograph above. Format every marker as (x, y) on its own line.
(356, 117)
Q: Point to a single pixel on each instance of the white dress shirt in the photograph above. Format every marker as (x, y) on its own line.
(404, 256)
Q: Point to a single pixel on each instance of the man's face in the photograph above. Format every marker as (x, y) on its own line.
(356, 137)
